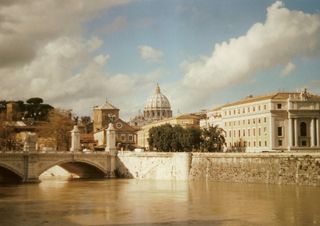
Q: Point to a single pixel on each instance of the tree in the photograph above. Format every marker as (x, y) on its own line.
(35, 100)
(212, 139)
(58, 127)
(174, 138)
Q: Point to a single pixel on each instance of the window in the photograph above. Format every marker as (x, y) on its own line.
(234, 133)
(259, 107)
(244, 122)
(259, 120)
(279, 106)
(123, 137)
(265, 107)
(303, 129)
(254, 133)
(265, 119)
(243, 110)
(248, 132)
(248, 109)
(249, 143)
(229, 112)
(259, 131)
(230, 133)
(244, 133)
(248, 121)
(264, 129)
(253, 108)
(130, 138)
(279, 143)
(265, 144)
(254, 121)
(238, 111)
(239, 133)
(234, 111)
(254, 144)
(259, 143)
(280, 131)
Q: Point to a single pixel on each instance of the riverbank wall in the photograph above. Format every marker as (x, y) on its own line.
(272, 168)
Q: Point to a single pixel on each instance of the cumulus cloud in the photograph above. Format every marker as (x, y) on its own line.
(283, 36)
(150, 54)
(54, 75)
(26, 26)
(290, 67)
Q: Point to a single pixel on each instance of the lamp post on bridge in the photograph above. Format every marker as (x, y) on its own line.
(75, 139)
(111, 147)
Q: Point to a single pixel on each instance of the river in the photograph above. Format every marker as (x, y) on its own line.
(143, 202)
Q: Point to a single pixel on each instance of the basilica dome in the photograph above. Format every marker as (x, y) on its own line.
(157, 106)
(157, 101)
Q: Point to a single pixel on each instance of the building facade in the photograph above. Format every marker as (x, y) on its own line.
(280, 121)
(103, 115)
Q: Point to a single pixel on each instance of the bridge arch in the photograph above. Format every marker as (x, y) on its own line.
(82, 168)
(9, 174)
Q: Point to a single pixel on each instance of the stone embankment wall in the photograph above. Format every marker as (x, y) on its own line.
(273, 168)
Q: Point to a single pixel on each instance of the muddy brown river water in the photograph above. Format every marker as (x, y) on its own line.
(142, 202)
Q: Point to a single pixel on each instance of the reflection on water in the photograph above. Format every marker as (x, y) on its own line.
(138, 202)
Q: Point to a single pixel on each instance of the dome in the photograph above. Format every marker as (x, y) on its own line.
(157, 101)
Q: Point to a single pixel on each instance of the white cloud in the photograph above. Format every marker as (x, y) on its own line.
(150, 54)
(26, 26)
(101, 59)
(284, 36)
(290, 67)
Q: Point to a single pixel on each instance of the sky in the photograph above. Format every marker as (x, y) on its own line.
(204, 53)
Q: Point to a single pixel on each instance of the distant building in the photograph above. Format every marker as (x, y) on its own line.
(157, 108)
(105, 114)
(186, 121)
(280, 121)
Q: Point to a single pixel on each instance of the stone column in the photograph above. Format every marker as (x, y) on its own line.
(296, 141)
(290, 134)
(312, 133)
(271, 134)
(111, 148)
(75, 139)
(318, 131)
(30, 142)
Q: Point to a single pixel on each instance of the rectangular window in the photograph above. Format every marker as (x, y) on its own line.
(248, 109)
(259, 120)
(280, 131)
(239, 133)
(259, 143)
(254, 133)
(254, 121)
(244, 122)
(265, 119)
(248, 121)
(230, 133)
(248, 132)
(259, 108)
(265, 129)
(249, 143)
(243, 110)
(279, 143)
(279, 106)
(130, 138)
(265, 107)
(265, 144)
(259, 131)
(253, 108)
(254, 144)
(244, 133)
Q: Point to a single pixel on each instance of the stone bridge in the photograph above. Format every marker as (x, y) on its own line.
(28, 166)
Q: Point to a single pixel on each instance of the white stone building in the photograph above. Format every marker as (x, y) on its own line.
(276, 122)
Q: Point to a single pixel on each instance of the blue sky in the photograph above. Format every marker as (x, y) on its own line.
(184, 45)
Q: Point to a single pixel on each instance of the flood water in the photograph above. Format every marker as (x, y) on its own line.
(142, 202)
